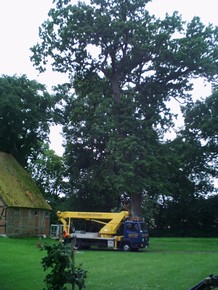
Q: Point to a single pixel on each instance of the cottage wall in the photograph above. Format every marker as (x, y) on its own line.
(27, 222)
(2, 217)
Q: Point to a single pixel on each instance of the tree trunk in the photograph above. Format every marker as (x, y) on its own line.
(136, 201)
(116, 87)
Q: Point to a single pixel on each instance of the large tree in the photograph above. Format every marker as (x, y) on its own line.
(125, 66)
(25, 115)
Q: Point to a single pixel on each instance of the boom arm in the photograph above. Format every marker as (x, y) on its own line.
(108, 229)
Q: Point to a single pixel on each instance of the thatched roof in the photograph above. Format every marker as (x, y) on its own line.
(17, 188)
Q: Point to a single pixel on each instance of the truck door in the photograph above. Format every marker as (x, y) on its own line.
(135, 235)
(132, 235)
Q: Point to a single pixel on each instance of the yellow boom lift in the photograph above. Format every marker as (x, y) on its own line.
(132, 232)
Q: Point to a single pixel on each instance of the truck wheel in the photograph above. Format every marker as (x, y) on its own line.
(126, 247)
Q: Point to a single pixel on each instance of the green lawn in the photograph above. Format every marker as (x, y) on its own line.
(168, 264)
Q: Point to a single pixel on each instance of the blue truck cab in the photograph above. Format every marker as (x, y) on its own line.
(136, 235)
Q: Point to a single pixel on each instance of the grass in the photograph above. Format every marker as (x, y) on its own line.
(168, 264)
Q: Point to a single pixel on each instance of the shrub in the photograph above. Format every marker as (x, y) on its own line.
(63, 270)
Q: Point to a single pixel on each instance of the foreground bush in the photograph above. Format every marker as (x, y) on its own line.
(63, 270)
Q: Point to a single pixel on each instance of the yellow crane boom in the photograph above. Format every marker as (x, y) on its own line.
(109, 229)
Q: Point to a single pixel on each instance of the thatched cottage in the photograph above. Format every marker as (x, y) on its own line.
(23, 209)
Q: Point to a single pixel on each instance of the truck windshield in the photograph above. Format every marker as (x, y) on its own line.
(137, 226)
(133, 227)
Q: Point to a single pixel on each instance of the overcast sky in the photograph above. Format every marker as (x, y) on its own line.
(20, 20)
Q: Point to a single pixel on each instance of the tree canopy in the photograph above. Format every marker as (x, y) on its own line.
(25, 115)
(124, 66)
(120, 40)
(201, 133)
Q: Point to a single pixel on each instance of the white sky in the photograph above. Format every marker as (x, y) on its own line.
(20, 20)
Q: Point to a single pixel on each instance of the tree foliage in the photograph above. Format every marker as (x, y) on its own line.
(185, 210)
(63, 269)
(125, 65)
(130, 47)
(25, 114)
(200, 136)
(201, 120)
(48, 171)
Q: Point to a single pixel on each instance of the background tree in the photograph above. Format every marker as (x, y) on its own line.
(125, 66)
(201, 127)
(184, 210)
(25, 115)
(48, 172)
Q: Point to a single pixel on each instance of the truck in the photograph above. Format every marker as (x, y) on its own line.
(118, 231)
